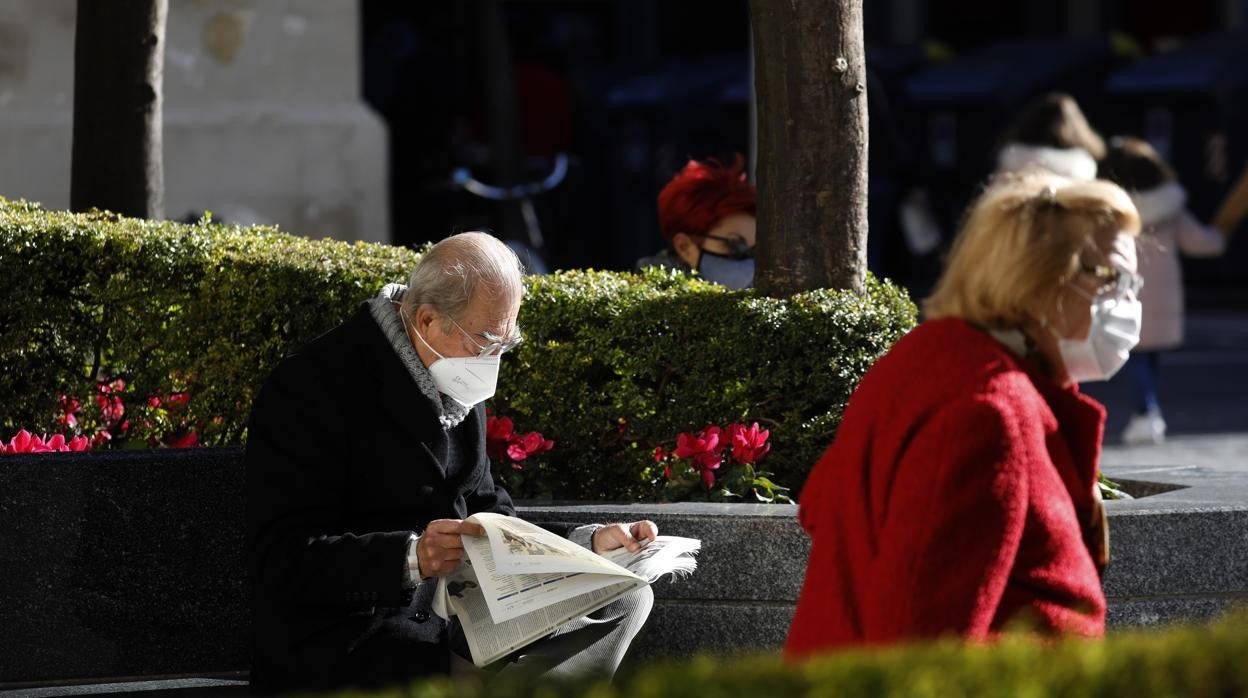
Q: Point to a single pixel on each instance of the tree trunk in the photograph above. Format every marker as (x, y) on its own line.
(117, 163)
(811, 80)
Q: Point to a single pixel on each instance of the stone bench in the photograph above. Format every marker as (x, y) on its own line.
(130, 564)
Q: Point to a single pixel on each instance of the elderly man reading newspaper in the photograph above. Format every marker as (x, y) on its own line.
(365, 453)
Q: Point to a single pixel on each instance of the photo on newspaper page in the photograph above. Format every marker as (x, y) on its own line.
(510, 595)
(519, 546)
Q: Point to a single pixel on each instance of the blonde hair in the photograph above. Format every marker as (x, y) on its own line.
(449, 275)
(1022, 241)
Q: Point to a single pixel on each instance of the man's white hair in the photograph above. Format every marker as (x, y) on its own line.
(459, 267)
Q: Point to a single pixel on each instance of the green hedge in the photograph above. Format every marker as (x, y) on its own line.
(167, 307)
(1180, 662)
(615, 364)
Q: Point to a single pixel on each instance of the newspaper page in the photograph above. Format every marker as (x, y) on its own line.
(520, 582)
(567, 569)
(519, 546)
(664, 555)
(489, 641)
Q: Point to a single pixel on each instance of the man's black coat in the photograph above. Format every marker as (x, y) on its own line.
(345, 459)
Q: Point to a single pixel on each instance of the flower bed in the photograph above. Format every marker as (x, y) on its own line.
(160, 334)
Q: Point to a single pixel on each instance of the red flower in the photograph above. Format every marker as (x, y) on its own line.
(530, 444)
(78, 443)
(708, 477)
(177, 400)
(101, 439)
(502, 443)
(748, 443)
(659, 455)
(498, 432)
(70, 406)
(188, 440)
(703, 449)
(153, 401)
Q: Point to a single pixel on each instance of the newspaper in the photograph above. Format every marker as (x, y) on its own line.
(520, 582)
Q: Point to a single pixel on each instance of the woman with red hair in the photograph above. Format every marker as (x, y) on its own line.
(706, 214)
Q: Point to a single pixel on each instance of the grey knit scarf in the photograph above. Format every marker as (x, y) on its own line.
(385, 311)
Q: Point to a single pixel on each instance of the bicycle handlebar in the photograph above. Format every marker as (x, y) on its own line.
(463, 179)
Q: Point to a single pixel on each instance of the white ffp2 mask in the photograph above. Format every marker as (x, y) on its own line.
(1115, 330)
(465, 379)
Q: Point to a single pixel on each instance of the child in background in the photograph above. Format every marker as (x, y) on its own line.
(1051, 134)
(1167, 229)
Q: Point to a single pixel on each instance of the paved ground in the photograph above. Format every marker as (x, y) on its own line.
(1204, 397)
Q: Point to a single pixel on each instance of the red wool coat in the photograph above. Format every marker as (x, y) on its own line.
(954, 500)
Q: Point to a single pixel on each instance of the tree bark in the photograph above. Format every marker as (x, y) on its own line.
(117, 163)
(811, 80)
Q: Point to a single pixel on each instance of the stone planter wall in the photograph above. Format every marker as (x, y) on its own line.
(131, 563)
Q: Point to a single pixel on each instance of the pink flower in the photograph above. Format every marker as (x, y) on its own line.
(25, 442)
(748, 444)
(703, 449)
(114, 411)
(101, 439)
(530, 444)
(22, 442)
(153, 401)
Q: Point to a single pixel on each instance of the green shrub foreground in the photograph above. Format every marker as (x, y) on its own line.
(615, 364)
(1182, 662)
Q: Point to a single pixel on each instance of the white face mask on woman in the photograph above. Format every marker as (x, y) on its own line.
(1115, 330)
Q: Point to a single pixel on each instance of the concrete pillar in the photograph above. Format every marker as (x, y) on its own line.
(264, 120)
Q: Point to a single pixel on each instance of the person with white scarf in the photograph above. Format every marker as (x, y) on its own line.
(1167, 229)
(1051, 135)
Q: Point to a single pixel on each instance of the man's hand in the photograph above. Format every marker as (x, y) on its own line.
(619, 535)
(441, 548)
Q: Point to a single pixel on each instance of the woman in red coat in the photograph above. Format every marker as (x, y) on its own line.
(960, 494)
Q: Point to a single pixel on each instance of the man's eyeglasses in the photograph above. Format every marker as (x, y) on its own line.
(737, 248)
(1113, 281)
(495, 344)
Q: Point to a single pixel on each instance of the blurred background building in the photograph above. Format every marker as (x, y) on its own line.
(263, 118)
(348, 119)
